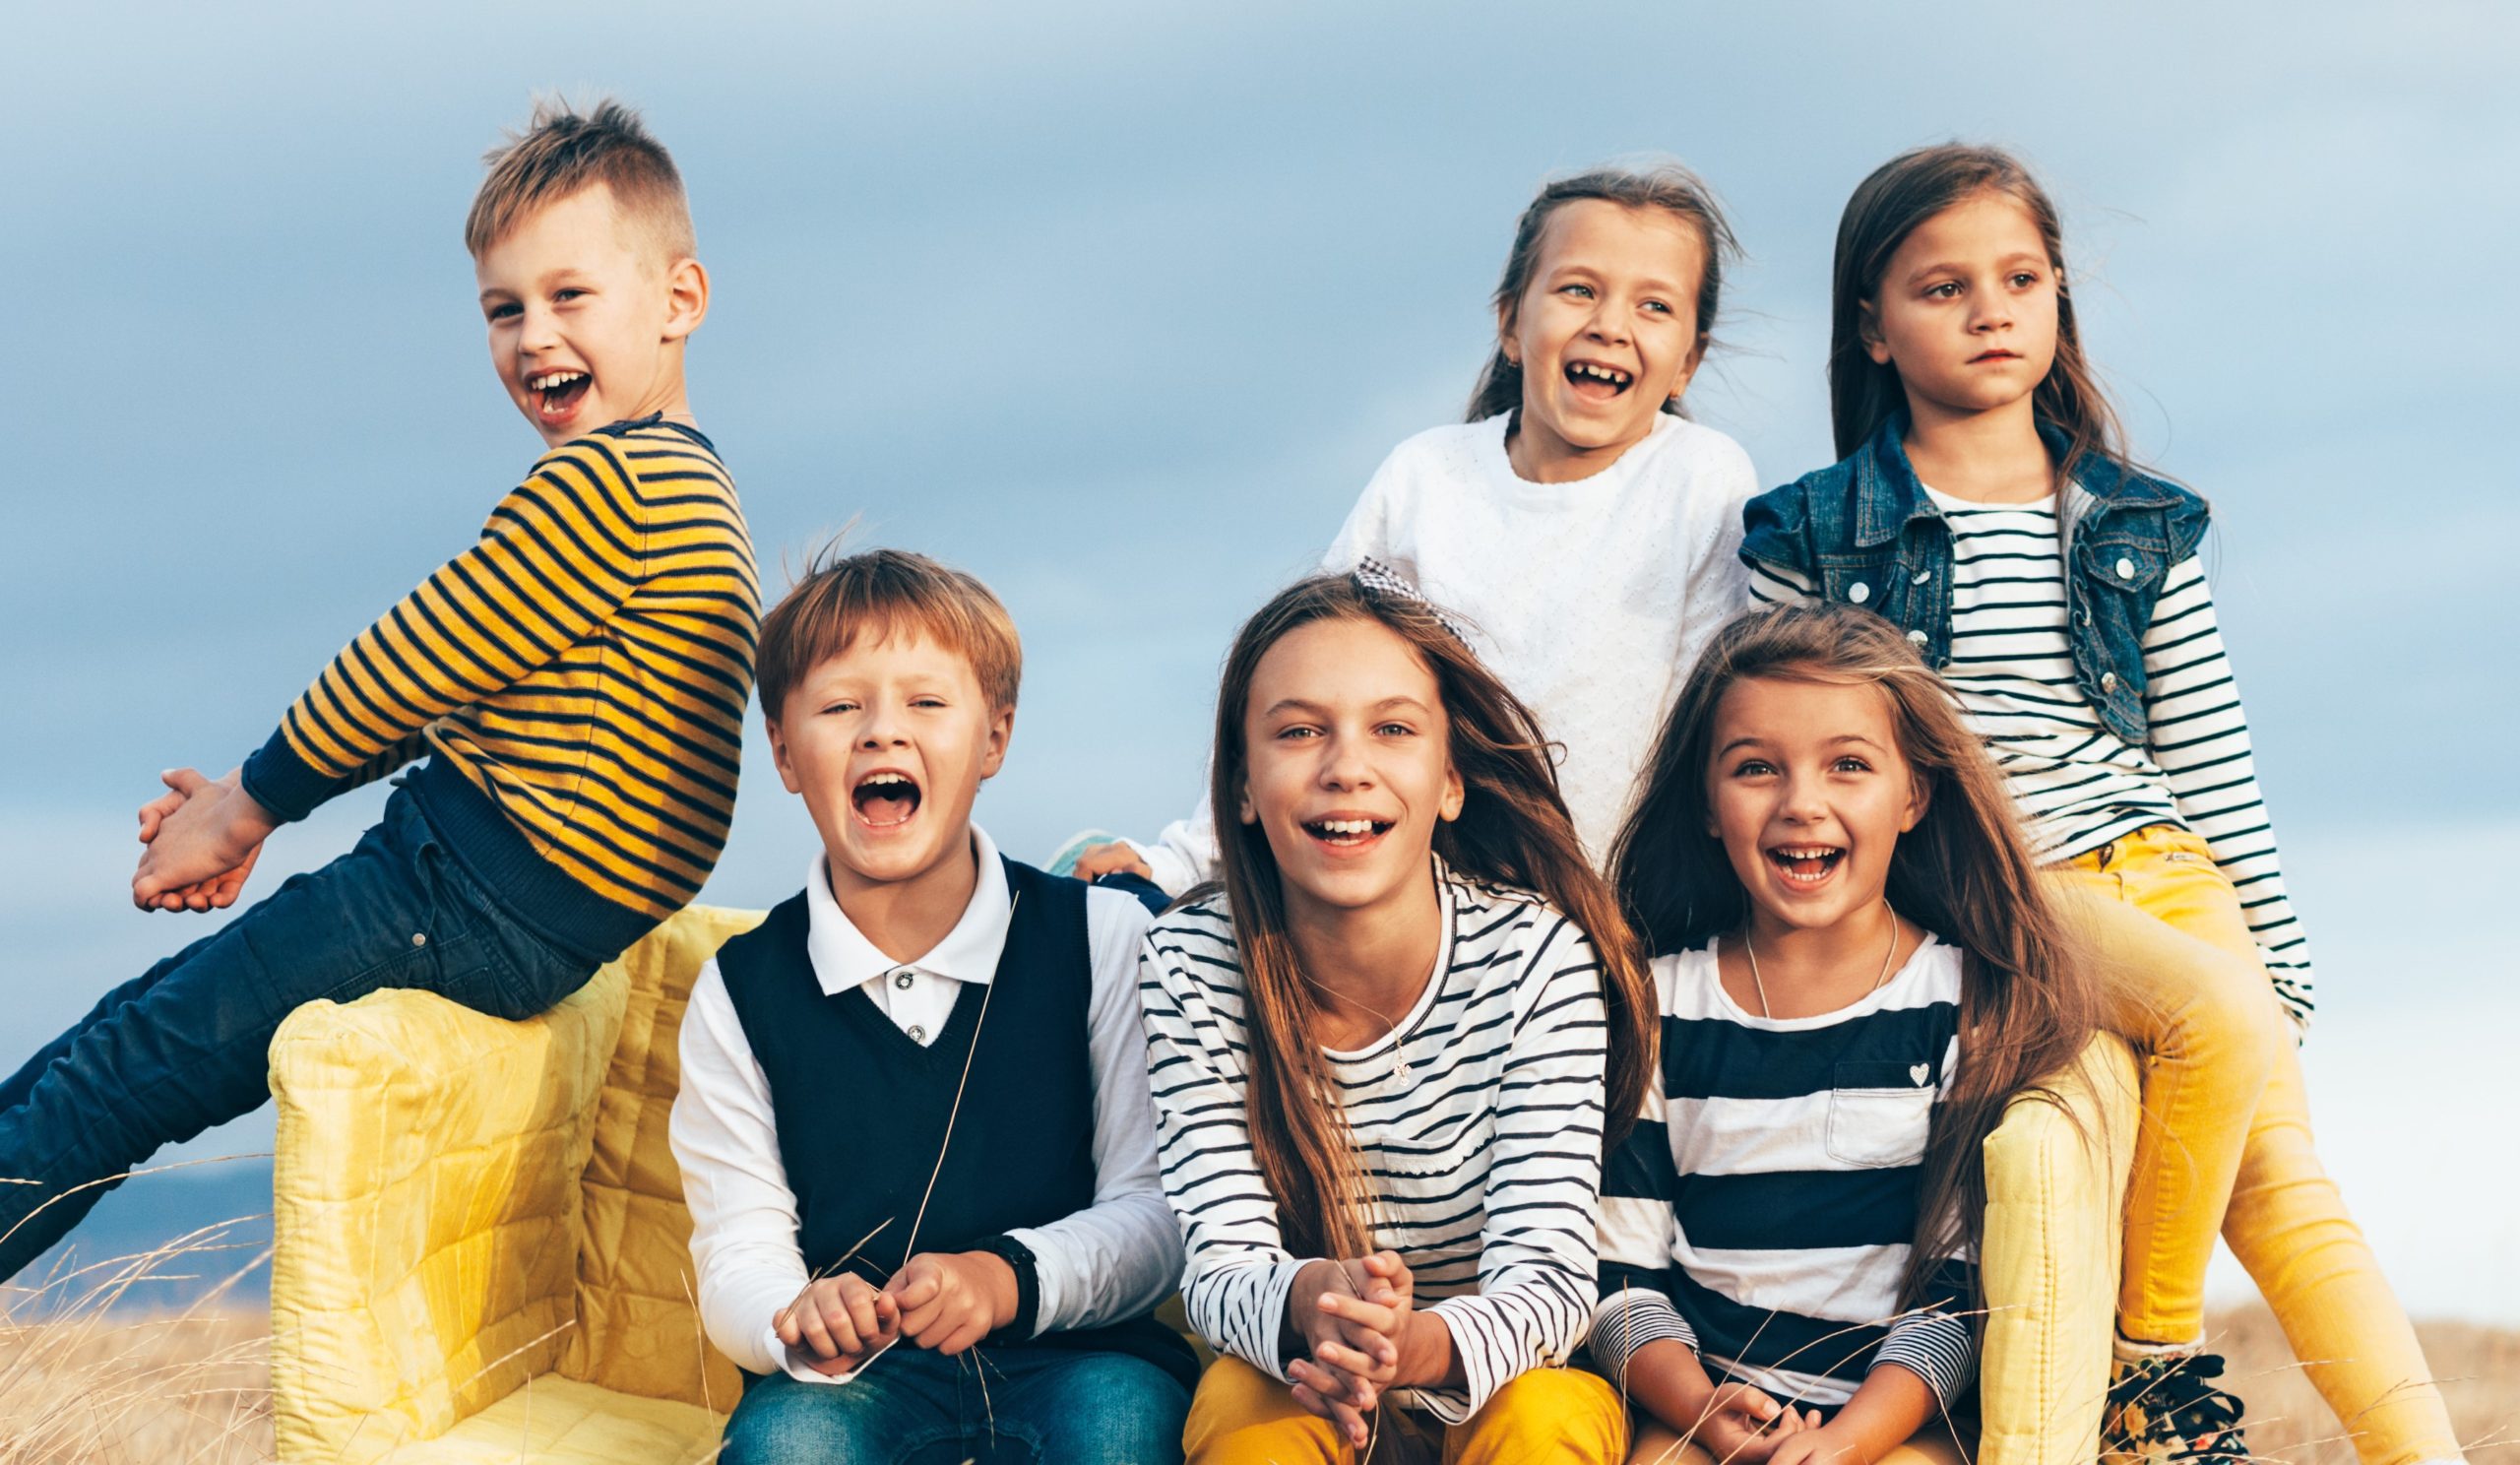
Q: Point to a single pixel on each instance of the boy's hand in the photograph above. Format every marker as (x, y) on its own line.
(203, 837)
(950, 1301)
(837, 1321)
(1744, 1426)
(1115, 858)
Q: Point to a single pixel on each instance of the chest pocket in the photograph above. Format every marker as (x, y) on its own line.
(1865, 580)
(1878, 1113)
(2127, 566)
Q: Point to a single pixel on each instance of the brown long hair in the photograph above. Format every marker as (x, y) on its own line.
(1890, 205)
(1513, 830)
(2027, 1001)
(1666, 186)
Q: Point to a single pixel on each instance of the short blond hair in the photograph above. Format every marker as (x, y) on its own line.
(880, 594)
(562, 152)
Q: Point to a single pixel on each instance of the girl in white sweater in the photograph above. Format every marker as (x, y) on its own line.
(1584, 530)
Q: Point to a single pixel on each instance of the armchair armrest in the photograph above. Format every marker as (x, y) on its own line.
(2055, 1188)
(425, 1209)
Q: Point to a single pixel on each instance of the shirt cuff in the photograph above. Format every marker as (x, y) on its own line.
(1936, 1347)
(1628, 1319)
(1173, 874)
(792, 1365)
(287, 785)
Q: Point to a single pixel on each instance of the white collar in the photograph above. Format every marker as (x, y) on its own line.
(844, 958)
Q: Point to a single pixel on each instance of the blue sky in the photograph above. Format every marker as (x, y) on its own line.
(1119, 305)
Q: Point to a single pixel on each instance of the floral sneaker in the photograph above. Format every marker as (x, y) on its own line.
(2161, 1408)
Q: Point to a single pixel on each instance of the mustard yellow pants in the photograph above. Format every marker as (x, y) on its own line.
(1242, 1415)
(2226, 1136)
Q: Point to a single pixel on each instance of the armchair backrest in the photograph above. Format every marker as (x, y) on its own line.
(638, 1320)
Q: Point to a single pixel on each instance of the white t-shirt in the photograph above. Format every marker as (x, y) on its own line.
(1590, 599)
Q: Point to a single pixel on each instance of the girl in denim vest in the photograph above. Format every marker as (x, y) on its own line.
(1986, 507)
(1583, 528)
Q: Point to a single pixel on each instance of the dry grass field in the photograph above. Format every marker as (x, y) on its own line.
(115, 1390)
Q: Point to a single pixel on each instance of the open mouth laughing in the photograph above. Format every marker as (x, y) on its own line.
(1596, 382)
(886, 798)
(1805, 866)
(557, 392)
(1346, 833)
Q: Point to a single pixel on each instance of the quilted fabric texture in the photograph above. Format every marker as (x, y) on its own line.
(2055, 1186)
(464, 1205)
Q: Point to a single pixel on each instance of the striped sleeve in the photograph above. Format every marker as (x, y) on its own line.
(1540, 1245)
(558, 557)
(2199, 738)
(1934, 1341)
(1779, 585)
(1238, 1272)
(1638, 1228)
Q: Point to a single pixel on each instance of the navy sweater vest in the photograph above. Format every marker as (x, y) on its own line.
(863, 1111)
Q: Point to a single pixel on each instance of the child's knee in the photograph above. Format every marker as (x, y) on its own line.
(1241, 1415)
(1564, 1414)
(781, 1422)
(1119, 1408)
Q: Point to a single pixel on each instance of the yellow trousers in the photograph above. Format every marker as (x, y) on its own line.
(2227, 1135)
(1242, 1415)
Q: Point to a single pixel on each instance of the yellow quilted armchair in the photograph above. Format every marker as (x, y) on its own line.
(481, 1251)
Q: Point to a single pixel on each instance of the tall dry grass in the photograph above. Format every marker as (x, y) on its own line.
(2478, 1369)
(91, 1374)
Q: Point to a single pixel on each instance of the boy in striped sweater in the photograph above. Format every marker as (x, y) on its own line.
(576, 678)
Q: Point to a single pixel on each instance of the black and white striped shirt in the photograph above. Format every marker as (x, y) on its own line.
(1762, 1211)
(1478, 1118)
(2078, 786)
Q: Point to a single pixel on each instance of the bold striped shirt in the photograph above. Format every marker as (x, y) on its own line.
(2077, 784)
(1763, 1209)
(1478, 1120)
(581, 671)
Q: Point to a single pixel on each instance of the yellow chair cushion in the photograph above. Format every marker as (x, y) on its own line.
(566, 1423)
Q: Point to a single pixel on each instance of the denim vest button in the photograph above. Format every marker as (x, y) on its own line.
(1916, 638)
(2125, 569)
(2108, 681)
(1921, 577)
(419, 939)
(1859, 593)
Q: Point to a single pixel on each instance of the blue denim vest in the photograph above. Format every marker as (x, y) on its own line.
(1866, 532)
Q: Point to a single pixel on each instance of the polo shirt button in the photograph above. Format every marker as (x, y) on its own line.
(1921, 577)
(1916, 638)
(900, 979)
(2125, 569)
(1859, 593)
(2108, 681)
(917, 1034)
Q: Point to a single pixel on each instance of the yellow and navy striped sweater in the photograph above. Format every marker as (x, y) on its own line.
(581, 674)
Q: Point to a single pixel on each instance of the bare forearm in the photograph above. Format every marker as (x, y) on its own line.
(1427, 1358)
(1891, 1404)
(1666, 1379)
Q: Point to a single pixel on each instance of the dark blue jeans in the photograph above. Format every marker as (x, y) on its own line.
(998, 1406)
(184, 1046)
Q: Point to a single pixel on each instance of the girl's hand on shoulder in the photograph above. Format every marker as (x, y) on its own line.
(1115, 858)
(837, 1321)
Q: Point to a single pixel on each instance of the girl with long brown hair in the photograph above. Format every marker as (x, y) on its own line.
(1857, 968)
(1387, 1049)
(1985, 504)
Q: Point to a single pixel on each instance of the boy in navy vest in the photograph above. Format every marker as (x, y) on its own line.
(913, 1126)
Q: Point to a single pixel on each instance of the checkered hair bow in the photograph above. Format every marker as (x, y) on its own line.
(1383, 583)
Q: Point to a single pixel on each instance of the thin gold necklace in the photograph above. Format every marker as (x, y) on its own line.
(1752, 948)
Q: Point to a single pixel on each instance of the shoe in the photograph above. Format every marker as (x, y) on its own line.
(2162, 1407)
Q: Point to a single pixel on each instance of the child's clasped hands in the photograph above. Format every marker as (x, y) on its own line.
(938, 1300)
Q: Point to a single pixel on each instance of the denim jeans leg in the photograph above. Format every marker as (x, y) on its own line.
(23, 1082)
(186, 1047)
(1089, 1406)
(901, 1411)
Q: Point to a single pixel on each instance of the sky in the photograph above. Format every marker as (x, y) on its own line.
(1119, 305)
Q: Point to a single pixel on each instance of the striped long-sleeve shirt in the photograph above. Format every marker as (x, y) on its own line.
(2077, 784)
(1763, 1209)
(581, 673)
(1478, 1118)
